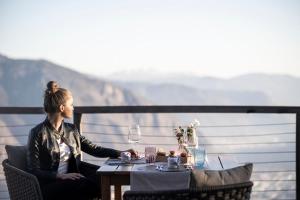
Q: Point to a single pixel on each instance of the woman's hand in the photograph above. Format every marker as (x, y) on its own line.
(72, 176)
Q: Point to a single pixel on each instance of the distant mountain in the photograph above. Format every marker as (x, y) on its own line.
(22, 83)
(175, 94)
(28, 79)
(250, 89)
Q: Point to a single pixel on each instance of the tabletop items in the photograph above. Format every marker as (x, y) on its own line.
(172, 160)
(188, 151)
(157, 176)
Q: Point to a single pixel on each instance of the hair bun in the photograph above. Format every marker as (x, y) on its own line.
(52, 86)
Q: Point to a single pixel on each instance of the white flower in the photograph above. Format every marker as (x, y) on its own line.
(196, 123)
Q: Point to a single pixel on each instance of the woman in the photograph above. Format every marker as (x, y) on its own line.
(54, 151)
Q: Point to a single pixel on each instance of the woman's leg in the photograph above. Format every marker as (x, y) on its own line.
(80, 189)
(83, 188)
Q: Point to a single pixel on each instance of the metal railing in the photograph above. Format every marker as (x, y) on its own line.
(79, 111)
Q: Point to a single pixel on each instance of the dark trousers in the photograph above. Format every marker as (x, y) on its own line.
(80, 189)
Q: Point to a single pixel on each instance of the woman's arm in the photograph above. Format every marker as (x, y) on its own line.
(88, 147)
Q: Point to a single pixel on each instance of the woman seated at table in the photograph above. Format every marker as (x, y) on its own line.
(54, 151)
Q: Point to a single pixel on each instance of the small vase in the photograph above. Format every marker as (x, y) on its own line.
(181, 149)
(182, 153)
(193, 139)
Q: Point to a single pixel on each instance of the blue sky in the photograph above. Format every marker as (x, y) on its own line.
(216, 38)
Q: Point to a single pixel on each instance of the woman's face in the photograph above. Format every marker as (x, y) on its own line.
(68, 107)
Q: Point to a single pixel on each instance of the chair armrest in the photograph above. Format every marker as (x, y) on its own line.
(21, 184)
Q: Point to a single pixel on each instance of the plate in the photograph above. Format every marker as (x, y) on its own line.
(115, 162)
(120, 162)
(165, 168)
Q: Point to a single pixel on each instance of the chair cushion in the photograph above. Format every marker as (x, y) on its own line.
(202, 178)
(16, 156)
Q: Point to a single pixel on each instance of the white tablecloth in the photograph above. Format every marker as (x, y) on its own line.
(146, 178)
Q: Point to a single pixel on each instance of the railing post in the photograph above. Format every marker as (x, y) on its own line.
(77, 120)
(297, 155)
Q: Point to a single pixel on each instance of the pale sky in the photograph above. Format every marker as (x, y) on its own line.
(216, 38)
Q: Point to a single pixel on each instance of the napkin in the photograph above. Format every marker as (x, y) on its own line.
(148, 179)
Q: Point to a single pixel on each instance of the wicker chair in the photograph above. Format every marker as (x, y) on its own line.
(21, 184)
(224, 192)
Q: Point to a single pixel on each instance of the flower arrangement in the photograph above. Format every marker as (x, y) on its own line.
(179, 133)
(191, 137)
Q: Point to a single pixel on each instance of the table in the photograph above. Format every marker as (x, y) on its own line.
(113, 176)
(119, 175)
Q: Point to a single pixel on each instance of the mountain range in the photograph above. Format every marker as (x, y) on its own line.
(248, 89)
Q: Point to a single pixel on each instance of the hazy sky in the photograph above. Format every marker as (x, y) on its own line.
(217, 38)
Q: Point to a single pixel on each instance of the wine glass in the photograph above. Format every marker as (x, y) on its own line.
(134, 135)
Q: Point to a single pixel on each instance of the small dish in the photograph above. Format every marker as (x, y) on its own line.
(165, 168)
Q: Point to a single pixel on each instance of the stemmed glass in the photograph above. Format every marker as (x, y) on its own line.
(134, 135)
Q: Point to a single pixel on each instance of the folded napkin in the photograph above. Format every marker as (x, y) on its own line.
(148, 179)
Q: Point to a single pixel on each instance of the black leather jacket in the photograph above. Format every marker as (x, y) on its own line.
(43, 150)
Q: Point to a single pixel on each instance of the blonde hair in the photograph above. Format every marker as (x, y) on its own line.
(54, 97)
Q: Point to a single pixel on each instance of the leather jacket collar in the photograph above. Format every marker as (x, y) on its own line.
(57, 134)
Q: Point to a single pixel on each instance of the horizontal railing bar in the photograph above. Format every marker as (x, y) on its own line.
(187, 109)
(163, 135)
(202, 126)
(274, 180)
(256, 152)
(248, 135)
(21, 110)
(282, 199)
(107, 142)
(170, 136)
(271, 162)
(160, 109)
(283, 190)
(274, 171)
(252, 143)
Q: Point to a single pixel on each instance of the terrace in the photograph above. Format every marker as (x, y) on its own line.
(276, 172)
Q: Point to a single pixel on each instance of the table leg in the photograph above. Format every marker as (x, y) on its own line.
(105, 187)
(118, 192)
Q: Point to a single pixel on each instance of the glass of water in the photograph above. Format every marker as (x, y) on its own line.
(198, 156)
(134, 135)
